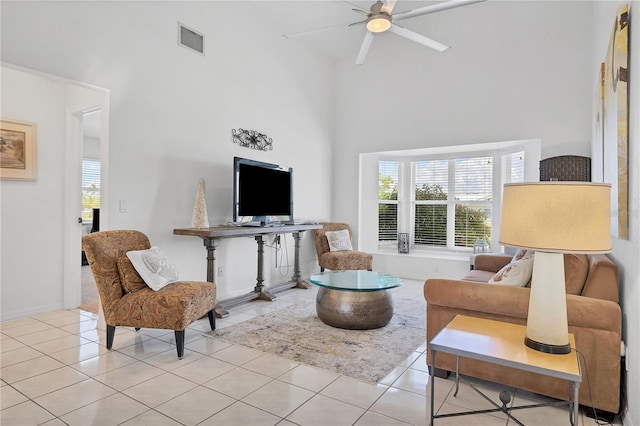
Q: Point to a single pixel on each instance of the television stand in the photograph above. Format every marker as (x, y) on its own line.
(211, 235)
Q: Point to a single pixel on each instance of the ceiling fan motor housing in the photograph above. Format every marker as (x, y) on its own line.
(378, 20)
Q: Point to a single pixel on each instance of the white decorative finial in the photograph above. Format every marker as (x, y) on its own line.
(200, 218)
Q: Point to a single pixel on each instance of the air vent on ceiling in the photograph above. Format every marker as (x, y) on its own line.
(190, 38)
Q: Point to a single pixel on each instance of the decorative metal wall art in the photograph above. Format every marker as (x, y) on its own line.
(252, 139)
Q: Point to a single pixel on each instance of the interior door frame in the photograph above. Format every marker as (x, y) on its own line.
(85, 99)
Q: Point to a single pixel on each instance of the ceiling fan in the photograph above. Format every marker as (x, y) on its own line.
(380, 19)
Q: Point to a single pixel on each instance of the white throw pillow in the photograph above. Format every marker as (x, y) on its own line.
(153, 267)
(339, 240)
(516, 274)
(522, 254)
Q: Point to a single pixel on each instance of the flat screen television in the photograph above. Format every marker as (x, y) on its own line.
(262, 192)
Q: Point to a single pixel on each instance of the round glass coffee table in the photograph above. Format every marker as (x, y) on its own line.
(355, 300)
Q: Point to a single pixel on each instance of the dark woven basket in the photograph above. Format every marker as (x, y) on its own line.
(566, 168)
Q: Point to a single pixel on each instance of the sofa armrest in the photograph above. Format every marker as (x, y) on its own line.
(480, 297)
(491, 262)
(602, 280)
(596, 314)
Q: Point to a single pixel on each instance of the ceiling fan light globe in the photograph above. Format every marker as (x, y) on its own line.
(378, 23)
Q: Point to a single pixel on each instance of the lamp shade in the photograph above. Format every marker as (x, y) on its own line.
(557, 217)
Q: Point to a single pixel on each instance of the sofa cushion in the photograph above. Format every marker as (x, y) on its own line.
(576, 268)
(182, 303)
(516, 274)
(478, 275)
(339, 240)
(129, 278)
(345, 260)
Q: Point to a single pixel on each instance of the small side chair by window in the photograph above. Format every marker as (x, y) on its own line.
(335, 251)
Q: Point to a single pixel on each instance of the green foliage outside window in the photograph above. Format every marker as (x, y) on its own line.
(90, 201)
(431, 219)
(387, 213)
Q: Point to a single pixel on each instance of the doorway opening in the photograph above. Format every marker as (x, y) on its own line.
(91, 200)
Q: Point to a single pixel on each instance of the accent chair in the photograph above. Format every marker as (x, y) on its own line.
(338, 260)
(126, 299)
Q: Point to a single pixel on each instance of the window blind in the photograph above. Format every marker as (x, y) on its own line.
(473, 194)
(452, 199)
(388, 177)
(431, 188)
(514, 163)
(90, 187)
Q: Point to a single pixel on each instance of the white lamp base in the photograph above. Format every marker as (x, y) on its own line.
(550, 349)
(547, 328)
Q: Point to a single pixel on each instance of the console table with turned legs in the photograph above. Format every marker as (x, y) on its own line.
(211, 235)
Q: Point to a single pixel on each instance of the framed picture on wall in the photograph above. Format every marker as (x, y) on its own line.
(18, 151)
(615, 122)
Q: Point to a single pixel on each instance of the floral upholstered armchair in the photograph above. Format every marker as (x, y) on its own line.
(126, 298)
(335, 252)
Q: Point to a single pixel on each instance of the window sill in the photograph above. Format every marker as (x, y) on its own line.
(426, 254)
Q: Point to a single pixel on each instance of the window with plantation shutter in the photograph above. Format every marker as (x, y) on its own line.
(449, 199)
(514, 165)
(473, 199)
(90, 187)
(431, 186)
(388, 200)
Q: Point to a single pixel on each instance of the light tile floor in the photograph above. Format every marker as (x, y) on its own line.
(55, 369)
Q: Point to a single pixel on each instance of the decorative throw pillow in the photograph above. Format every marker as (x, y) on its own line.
(153, 267)
(516, 274)
(339, 240)
(522, 254)
(129, 278)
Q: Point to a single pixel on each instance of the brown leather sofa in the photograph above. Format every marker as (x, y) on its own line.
(593, 312)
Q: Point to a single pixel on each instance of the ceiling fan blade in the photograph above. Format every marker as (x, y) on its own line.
(418, 38)
(356, 7)
(317, 30)
(366, 43)
(433, 8)
(357, 23)
(388, 6)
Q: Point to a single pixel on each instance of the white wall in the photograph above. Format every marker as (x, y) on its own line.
(32, 212)
(172, 111)
(91, 147)
(39, 221)
(626, 252)
(515, 70)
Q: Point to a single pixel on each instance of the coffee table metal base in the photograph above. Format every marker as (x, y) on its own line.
(354, 310)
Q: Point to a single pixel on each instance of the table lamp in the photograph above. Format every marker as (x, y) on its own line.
(553, 218)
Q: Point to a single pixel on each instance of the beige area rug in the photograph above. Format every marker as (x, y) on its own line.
(297, 334)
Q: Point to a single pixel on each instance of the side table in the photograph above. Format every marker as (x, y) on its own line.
(502, 343)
